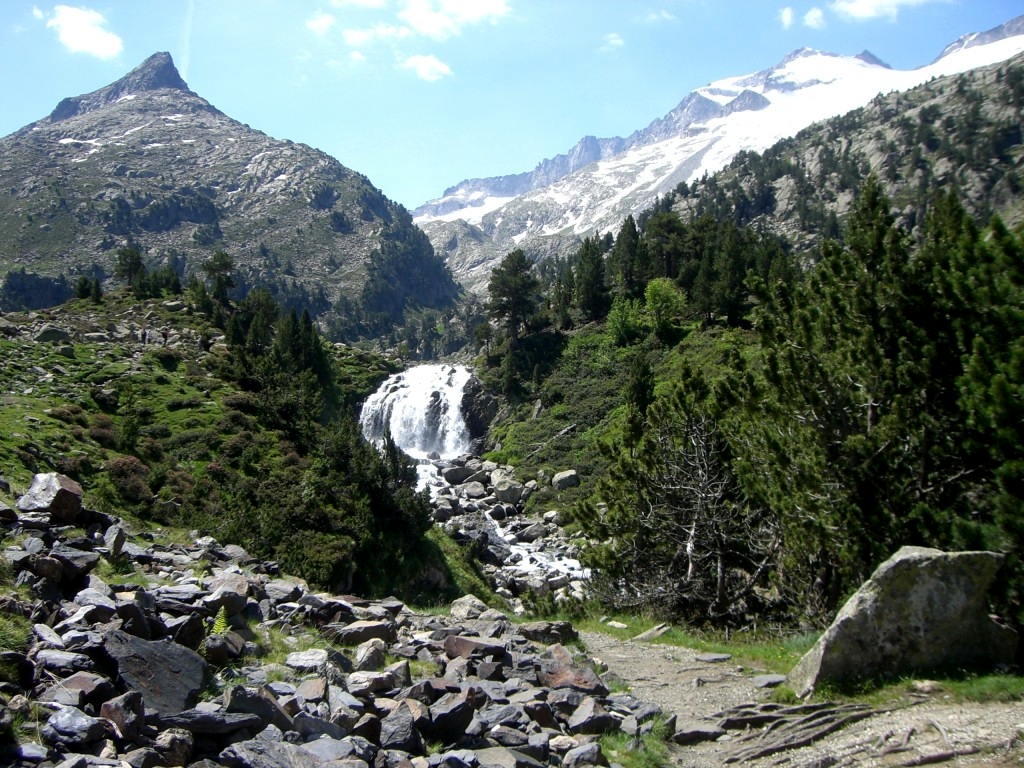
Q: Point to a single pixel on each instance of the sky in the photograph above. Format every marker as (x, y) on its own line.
(421, 94)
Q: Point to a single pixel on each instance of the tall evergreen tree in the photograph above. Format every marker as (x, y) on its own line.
(513, 293)
(592, 296)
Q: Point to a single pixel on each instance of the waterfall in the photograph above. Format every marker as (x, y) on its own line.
(422, 407)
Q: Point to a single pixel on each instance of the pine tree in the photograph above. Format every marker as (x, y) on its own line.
(513, 290)
(592, 298)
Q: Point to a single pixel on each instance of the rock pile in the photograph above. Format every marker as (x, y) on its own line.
(199, 655)
(482, 502)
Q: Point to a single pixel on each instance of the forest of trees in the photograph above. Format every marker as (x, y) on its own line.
(868, 401)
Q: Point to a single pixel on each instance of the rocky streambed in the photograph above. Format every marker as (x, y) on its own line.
(481, 503)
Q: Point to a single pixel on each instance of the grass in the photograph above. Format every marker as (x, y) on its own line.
(15, 633)
(646, 751)
(955, 687)
(770, 651)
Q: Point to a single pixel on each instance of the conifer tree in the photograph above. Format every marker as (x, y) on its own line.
(591, 291)
(513, 290)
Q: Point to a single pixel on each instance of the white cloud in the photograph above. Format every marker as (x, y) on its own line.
(356, 38)
(359, 3)
(83, 30)
(814, 18)
(786, 17)
(863, 10)
(320, 23)
(356, 57)
(612, 42)
(37, 14)
(440, 19)
(657, 17)
(429, 68)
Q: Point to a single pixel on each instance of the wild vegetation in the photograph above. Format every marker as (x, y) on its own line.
(242, 425)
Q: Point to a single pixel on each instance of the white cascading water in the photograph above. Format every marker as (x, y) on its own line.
(422, 408)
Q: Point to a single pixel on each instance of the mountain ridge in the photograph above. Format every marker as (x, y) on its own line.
(700, 135)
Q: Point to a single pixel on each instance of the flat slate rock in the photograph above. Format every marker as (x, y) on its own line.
(199, 721)
(169, 675)
(714, 658)
(768, 681)
(696, 731)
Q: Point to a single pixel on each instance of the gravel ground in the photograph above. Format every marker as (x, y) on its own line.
(906, 732)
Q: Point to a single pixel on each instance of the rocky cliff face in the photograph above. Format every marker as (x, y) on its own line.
(146, 161)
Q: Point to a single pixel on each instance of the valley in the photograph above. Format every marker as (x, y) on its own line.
(395, 487)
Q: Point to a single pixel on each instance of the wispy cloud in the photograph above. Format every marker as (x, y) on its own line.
(320, 23)
(612, 42)
(82, 30)
(786, 17)
(815, 18)
(659, 17)
(394, 22)
(186, 40)
(357, 38)
(429, 68)
(864, 10)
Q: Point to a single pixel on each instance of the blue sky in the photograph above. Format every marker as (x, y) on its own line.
(420, 94)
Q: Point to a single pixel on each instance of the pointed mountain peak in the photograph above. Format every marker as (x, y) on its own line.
(158, 71)
(155, 73)
(869, 58)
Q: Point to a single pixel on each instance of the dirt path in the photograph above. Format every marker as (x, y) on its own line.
(923, 729)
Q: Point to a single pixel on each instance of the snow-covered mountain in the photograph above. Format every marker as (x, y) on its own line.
(594, 186)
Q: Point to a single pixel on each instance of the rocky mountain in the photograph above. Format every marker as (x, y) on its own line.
(147, 162)
(476, 222)
(961, 133)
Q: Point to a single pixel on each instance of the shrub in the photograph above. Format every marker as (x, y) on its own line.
(70, 413)
(129, 476)
(105, 437)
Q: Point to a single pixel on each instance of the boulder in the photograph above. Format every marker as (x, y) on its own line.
(360, 631)
(398, 731)
(567, 479)
(127, 712)
(456, 475)
(170, 676)
(307, 661)
(69, 727)
(548, 632)
(473, 489)
(558, 670)
(468, 607)
(54, 493)
(923, 609)
(213, 723)
(508, 491)
(51, 334)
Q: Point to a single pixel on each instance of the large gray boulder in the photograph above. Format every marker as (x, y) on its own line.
(170, 676)
(567, 479)
(922, 610)
(54, 493)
